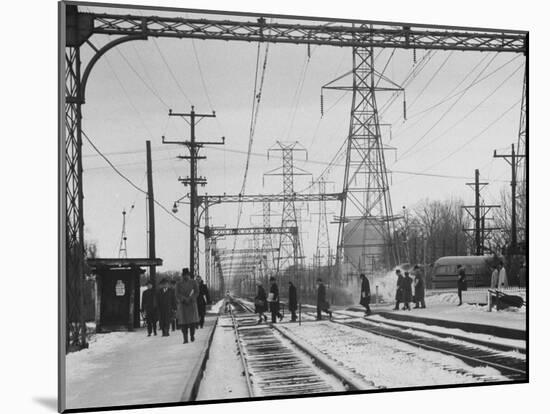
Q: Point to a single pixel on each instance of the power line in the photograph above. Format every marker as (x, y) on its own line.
(467, 114)
(150, 88)
(408, 151)
(170, 71)
(128, 180)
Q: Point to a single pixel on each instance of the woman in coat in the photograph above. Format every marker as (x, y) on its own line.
(365, 294)
(187, 291)
(461, 283)
(260, 302)
(274, 301)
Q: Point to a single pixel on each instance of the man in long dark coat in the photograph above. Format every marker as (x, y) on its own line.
(292, 300)
(202, 300)
(322, 303)
(399, 289)
(365, 294)
(173, 321)
(149, 308)
(407, 291)
(166, 305)
(274, 301)
(418, 288)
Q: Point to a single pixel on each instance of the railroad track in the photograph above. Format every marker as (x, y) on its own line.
(473, 355)
(273, 364)
(473, 352)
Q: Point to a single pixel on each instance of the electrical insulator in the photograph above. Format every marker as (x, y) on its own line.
(404, 109)
(308, 50)
(414, 56)
(322, 105)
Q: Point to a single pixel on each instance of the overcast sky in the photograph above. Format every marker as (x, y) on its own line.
(132, 87)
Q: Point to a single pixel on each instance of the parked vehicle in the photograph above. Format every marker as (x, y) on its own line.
(478, 271)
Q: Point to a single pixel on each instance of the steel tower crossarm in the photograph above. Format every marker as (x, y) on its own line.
(247, 231)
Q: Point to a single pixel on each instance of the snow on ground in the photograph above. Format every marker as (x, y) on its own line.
(387, 362)
(517, 343)
(472, 314)
(223, 377)
(132, 368)
(217, 306)
(465, 343)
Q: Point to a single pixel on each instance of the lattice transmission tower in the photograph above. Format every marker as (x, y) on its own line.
(122, 249)
(323, 254)
(290, 248)
(366, 216)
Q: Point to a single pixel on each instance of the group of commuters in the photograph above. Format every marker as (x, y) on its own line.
(180, 304)
(264, 302)
(410, 289)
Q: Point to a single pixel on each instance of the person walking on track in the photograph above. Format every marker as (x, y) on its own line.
(149, 308)
(419, 301)
(260, 302)
(187, 291)
(292, 301)
(407, 291)
(365, 294)
(202, 300)
(166, 306)
(274, 301)
(399, 289)
(461, 284)
(322, 303)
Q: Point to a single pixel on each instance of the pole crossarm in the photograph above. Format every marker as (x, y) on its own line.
(247, 231)
(270, 198)
(226, 252)
(319, 32)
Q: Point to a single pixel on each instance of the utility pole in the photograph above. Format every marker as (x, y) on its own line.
(512, 159)
(151, 215)
(478, 215)
(192, 180)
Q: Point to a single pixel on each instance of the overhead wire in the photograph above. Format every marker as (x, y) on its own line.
(125, 178)
(447, 111)
(471, 111)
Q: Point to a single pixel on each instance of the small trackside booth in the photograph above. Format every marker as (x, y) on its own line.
(118, 292)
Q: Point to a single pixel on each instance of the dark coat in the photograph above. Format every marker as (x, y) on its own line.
(274, 304)
(203, 299)
(187, 292)
(166, 301)
(260, 301)
(365, 292)
(418, 287)
(322, 297)
(407, 289)
(149, 304)
(462, 285)
(292, 298)
(399, 289)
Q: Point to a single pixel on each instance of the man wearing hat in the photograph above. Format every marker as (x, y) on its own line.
(322, 303)
(187, 292)
(166, 306)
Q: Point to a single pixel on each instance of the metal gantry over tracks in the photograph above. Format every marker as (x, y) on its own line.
(81, 29)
